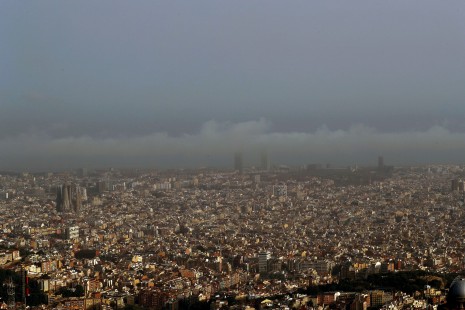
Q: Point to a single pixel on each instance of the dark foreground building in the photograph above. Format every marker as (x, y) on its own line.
(456, 295)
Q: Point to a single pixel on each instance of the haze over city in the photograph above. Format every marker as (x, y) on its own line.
(241, 155)
(188, 84)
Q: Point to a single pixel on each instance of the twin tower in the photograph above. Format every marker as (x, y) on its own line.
(69, 198)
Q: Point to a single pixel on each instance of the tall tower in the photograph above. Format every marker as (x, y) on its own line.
(238, 164)
(82, 172)
(380, 162)
(66, 197)
(264, 162)
(62, 201)
(59, 199)
(76, 198)
(69, 198)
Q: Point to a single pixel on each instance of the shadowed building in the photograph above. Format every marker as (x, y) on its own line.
(456, 295)
(263, 258)
(69, 198)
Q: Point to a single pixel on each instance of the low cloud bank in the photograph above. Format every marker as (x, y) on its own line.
(220, 140)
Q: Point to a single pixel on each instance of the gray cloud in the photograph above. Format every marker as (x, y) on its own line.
(119, 83)
(215, 143)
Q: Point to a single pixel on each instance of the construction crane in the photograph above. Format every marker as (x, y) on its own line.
(10, 289)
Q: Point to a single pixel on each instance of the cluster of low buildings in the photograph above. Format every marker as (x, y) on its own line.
(164, 239)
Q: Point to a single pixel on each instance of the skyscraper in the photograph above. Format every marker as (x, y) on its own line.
(380, 162)
(238, 164)
(263, 258)
(69, 198)
(82, 172)
(264, 163)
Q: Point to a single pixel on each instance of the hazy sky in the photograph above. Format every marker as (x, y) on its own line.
(162, 83)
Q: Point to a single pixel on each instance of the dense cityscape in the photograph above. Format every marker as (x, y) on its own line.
(260, 237)
(171, 155)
